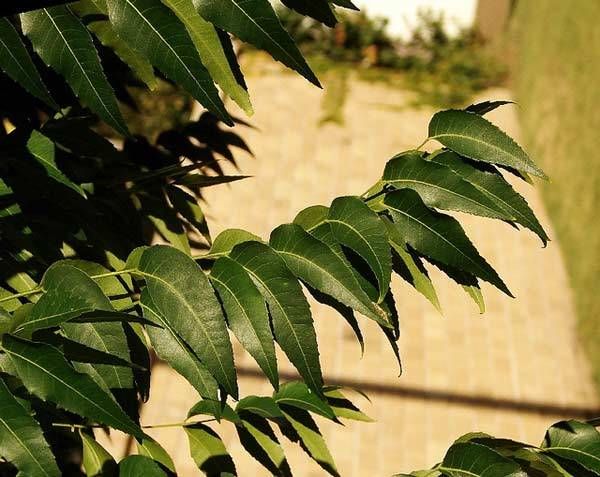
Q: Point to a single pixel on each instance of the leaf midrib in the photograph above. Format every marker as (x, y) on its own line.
(346, 224)
(179, 340)
(440, 236)
(283, 50)
(289, 322)
(234, 295)
(529, 167)
(16, 436)
(449, 191)
(162, 38)
(83, 71)
(193, 312)
(104, 411)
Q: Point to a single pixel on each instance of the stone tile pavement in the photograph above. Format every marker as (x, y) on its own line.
(510, 372)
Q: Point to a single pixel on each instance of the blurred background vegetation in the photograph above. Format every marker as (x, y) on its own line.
(443, 70)
(556, 83)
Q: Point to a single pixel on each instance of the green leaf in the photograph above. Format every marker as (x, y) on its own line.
(311, 217)
(169, 346)
(438, 236)
(496, 187)
(467, 459)
(486, 106)
(472, 136)
(182, 295)
(64, 43)
(43, 150)
(209, 452)
(22, 441)
(153, 30)
(246, 314)
(97, 462)
(297, 394)
(47, 374)
(410, 267)
(104, 31)
(343, 407)
(440, 186)
(69, 293)
(228, 239)
(201, 180)
(140, 466)
(209, 407)
(260, 405)
(255, 22)
(311, 438)
(207, 42)
(356, 226)
(152, 449)
(257, 437)
(316, 264)
(576, 441)
(291, 318)
(16, 63)
(318, 9)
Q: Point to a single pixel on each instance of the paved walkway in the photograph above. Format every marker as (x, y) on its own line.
(510, 372)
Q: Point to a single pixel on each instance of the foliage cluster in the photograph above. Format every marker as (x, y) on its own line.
(86, 297)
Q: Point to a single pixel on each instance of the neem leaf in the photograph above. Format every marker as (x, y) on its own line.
(228, 239)
(47, 374)
(140, 466)
(103, 30)
(64, 43)
(16, 63)
(297, 394)
(576, 441)
(316, 264)
(205, 37)
(97, 462)
(154, 31)
(485, 107)
(496, 187)
(467, 459)
(356, 226)
(255, 22)
(170, 347)
(440, 186)
(152, 449)
(181, 294)
(311, 438)
(246, 313)
(474, 137)
(257, 437)
(409, 266)
(438, 236)
(22, 441)
(318, 9)
(209, 452)
(291, 318)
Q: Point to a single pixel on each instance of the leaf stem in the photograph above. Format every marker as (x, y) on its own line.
(149, 426)
(33, 291)
(112, 274)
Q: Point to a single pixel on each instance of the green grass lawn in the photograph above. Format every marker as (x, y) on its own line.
(558, 87)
